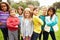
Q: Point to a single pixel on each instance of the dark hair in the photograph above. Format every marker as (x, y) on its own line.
(8, 7)
(35, 8)
(53, 9)
(20, 8)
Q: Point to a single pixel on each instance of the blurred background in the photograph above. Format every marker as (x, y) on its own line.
(36, 3)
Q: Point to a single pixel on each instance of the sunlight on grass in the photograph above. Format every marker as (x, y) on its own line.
(1, 36)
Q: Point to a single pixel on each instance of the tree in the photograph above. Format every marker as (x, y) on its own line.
(8, 1)
(35, 3)
(15, 5)
(0, 0)
(56, 5)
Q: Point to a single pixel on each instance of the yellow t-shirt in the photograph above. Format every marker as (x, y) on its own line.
(37, 24)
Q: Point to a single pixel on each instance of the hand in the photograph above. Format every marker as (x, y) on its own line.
(21, 35)
(0, 23)
(39, 23)
(16, 26)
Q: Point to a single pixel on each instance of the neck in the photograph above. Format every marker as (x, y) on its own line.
(12, 16)
(20, 14)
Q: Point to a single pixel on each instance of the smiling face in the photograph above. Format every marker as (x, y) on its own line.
(4, 7)
(50, 12)
(27, 14)
(44, 11)
(20, 10)
(13, 13)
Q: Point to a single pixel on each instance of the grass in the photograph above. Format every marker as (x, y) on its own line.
(57, 33)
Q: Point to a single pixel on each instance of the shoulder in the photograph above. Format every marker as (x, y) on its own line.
(17, 14)
(41, 15)
(47, 17)
(0, 11)
(22, 18)
(9, 18)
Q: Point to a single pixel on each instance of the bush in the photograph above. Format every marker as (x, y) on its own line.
(24, 4)
(15, 5)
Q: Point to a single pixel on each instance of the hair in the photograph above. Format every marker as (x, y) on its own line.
(27, 9)
(8, 7)
(20, 8)
(35, 8)
(44, 7)
(12, 9)
(53, 9)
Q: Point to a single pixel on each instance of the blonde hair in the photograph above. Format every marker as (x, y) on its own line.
(28, 9)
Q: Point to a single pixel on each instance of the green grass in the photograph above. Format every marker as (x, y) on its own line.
(1, 36)
(57, 33)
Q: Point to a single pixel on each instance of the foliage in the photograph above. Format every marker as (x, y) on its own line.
(25, 4)
(56, 5)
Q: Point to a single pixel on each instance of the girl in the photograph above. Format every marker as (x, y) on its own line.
(37, 24)
(44, 12)
(4, 14)
(20, 16)
(51, 20)
(12, 24)
(27, 25)
(31, 7)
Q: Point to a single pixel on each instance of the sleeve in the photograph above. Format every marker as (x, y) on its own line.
(51, 23)
(31, 28)
(22, 25)
(55, 21)
(9, 23)
(0, 17)
(16, 22)
(47, 21)
(39, 20)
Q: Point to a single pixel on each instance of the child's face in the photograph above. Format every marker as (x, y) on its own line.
(35, 12)
(4, 7)
(27, 14)
(31, 7)
(12, 13)
(20, 11)
(50, 12)
(44, 11)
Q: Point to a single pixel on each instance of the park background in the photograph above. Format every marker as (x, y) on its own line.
(37, 3)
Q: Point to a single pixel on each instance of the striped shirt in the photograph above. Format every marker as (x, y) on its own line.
(3, 18)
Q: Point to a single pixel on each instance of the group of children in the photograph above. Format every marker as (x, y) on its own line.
(27, 20)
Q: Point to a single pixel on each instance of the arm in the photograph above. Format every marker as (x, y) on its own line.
(9, 23)
(55, 21)
(51, 23)
(39, 21)
(16, 22)
(31, 28)
(22, 27)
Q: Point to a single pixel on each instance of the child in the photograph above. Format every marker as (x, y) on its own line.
(31, 7)
(27, 25)
(51, 20)
(4, 14)
(37, 24)
(12, 24)
(20, 16)
(42, 17)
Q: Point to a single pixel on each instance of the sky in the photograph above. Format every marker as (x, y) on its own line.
(42, 2)
(47, 2)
